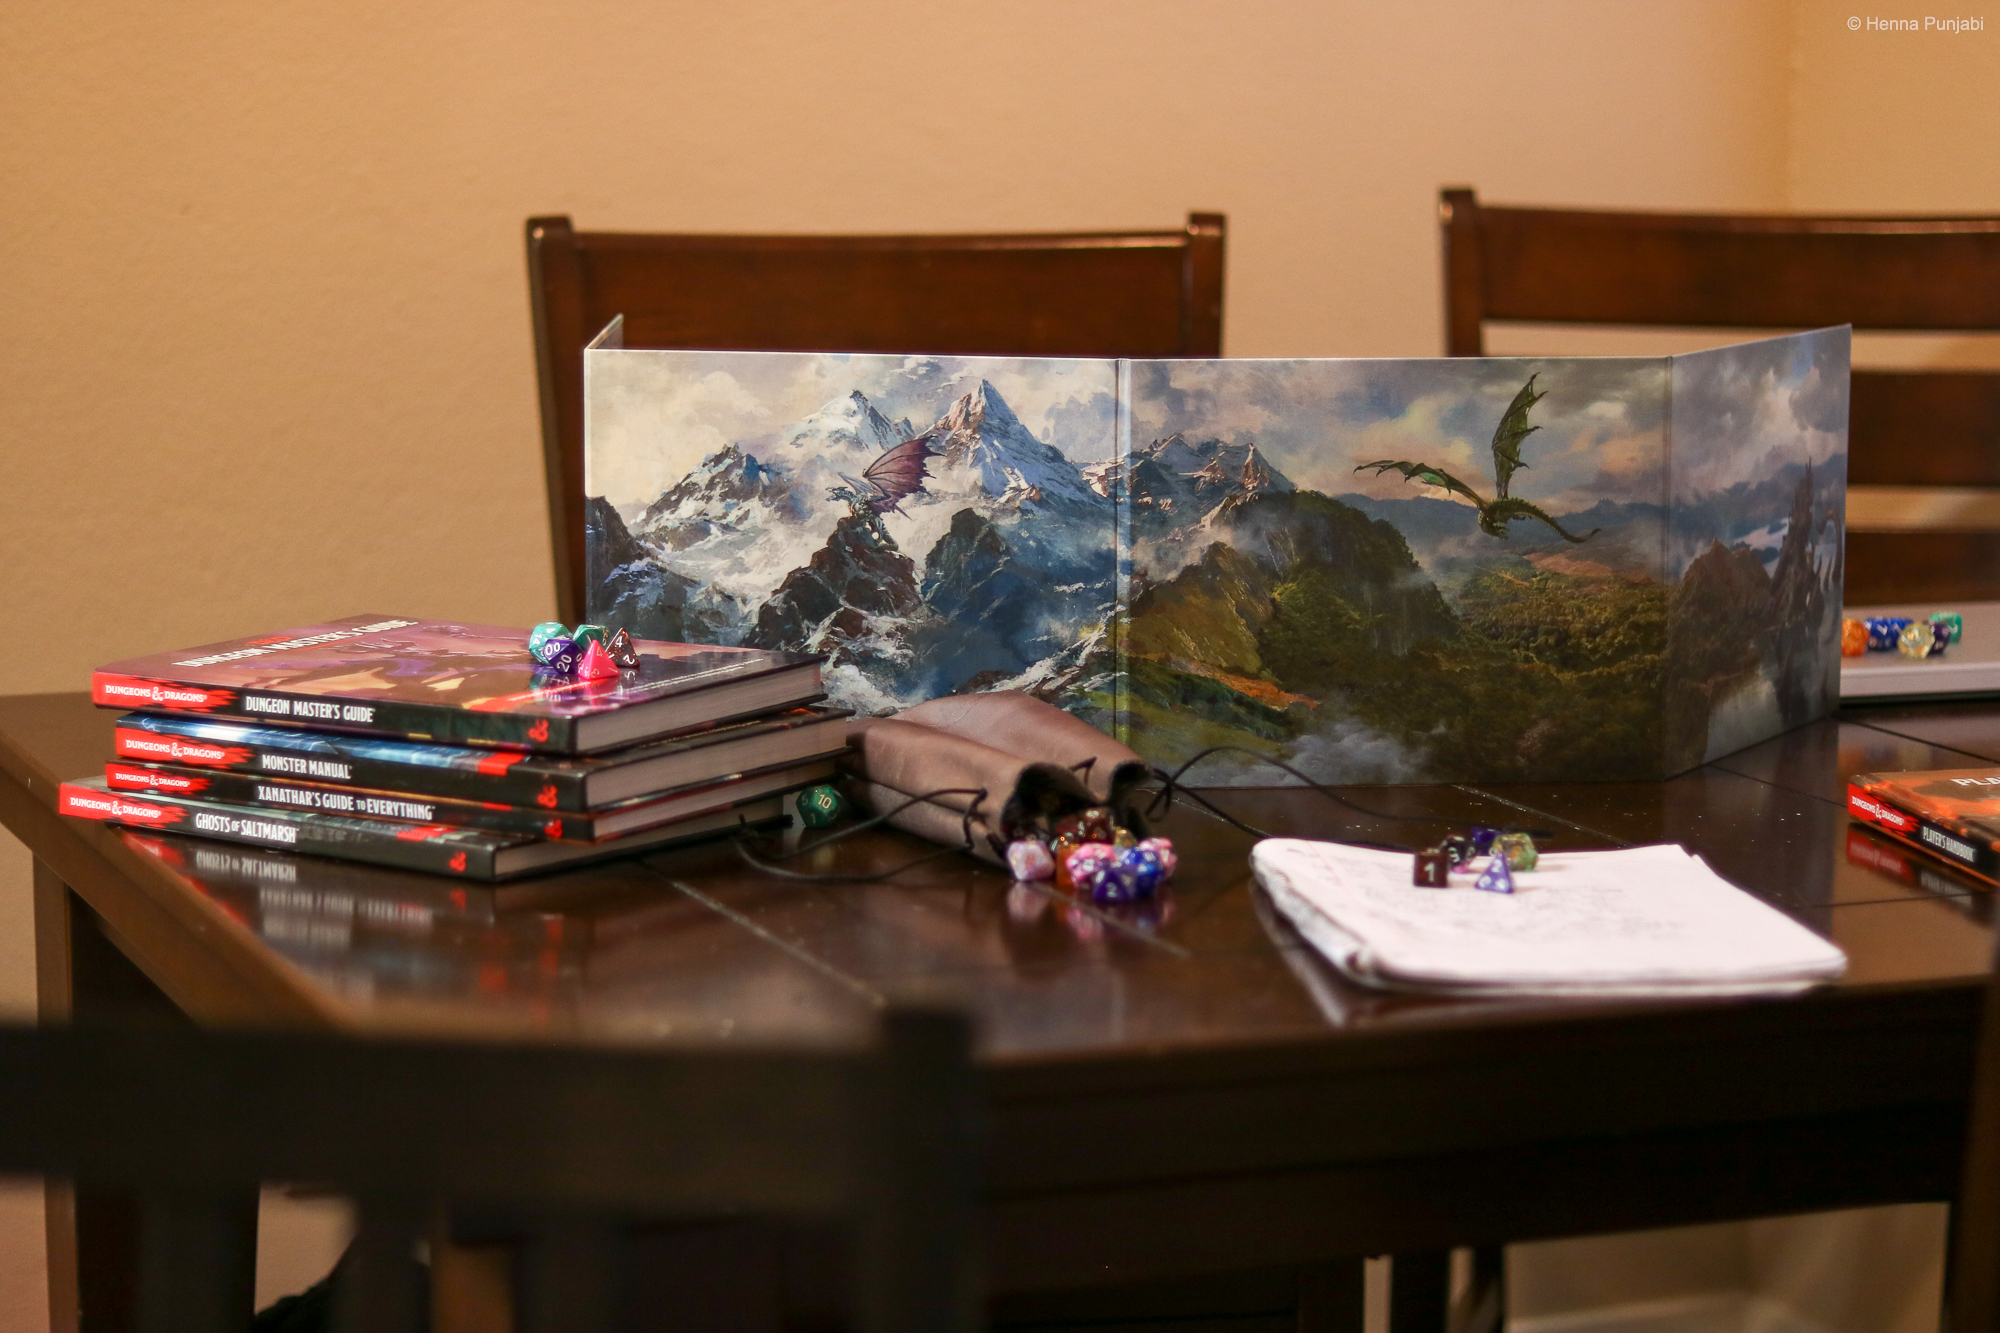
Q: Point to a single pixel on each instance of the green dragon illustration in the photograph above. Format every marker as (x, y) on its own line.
(1497, 513)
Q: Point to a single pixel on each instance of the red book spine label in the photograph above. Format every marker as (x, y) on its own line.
(1865, 806)
(86, 803)
(113, 691)
(132, 743)
(125, 777)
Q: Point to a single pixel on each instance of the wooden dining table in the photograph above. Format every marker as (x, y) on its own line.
(1188, 1110)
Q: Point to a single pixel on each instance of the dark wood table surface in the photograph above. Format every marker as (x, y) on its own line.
(1177, 1091)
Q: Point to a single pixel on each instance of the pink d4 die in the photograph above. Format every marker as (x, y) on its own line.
(596, 664)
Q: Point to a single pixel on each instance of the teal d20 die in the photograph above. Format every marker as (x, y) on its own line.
(819, 806)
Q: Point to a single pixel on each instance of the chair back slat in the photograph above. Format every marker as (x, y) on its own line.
(1109, 294)
(1906, 428)
(579, 1141)
(1734, 271)
(1929, 428)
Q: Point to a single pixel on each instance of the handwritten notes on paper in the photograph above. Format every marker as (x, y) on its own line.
(1636, 921)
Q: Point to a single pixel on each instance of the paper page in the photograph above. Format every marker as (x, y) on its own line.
(1635, 918)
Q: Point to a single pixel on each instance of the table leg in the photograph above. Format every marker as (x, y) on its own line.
(81, 976)
(1420, 1292)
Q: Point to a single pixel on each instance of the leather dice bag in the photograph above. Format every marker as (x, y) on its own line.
(990, 768)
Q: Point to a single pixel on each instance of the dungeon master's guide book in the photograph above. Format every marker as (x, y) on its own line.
(1476, 569)
(459, 684)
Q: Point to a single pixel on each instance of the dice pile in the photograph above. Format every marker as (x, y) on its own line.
(1916, 639)
(1091, 855)
(588, 652)
(1505, 853)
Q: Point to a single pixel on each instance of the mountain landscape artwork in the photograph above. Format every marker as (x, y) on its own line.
(929, 523)
(1479, 569)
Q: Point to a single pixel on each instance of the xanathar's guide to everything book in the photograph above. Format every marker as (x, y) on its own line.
(1471, 569)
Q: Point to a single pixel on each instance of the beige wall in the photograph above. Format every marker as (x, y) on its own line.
(266, 327)
(264, 346)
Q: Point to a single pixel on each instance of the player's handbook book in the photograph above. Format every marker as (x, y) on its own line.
(1468, 569)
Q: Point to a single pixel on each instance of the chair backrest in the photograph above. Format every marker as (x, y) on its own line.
(1135, 294)
(1911, 434)
(574, 1140)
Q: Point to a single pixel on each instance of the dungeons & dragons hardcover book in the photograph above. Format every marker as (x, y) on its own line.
(505, 777)
(1953, 813)
(461, 684)
(441, 849)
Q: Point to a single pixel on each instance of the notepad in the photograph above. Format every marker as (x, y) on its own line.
(1635, 921)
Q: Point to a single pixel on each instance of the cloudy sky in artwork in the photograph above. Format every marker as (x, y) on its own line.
(1601, 433)
(654, 416)
(1740, 413)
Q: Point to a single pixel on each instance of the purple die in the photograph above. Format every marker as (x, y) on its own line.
(562, 661)
(1482, 839)
(1497, 877)
(550, 647)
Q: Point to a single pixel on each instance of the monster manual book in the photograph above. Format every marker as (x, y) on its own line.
(461, 684)
(1952, 813)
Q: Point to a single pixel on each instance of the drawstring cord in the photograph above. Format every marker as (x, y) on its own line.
(978, 795)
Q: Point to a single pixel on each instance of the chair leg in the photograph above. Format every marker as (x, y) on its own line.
(197, 1261)
(1420, 1292)
(569, 1275)
(1483, 1306)
(1331, 1297)
(379, 1286)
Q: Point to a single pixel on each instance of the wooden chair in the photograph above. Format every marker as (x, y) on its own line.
(577, 1140)
(1924, 447)
(1137, 294)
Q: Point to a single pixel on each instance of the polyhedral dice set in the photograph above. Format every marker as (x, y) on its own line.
(1088, 854)
(1914, 639)
(1505, 853)
(588, 652)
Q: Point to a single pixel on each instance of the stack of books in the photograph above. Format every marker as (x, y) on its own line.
(438, 746)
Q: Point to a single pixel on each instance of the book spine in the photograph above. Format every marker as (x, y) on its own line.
(500, 777)
(379, 842)
(250, 789)
(443, 723)
(1976, 855)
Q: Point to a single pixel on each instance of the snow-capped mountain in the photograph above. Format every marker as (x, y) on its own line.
(1002, 560)
(1178, 491)
(715, 497)
(986, 448)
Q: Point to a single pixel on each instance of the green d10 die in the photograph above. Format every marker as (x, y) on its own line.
(819, 806)
(539, 636)
(1954, 620)
(588, 634)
